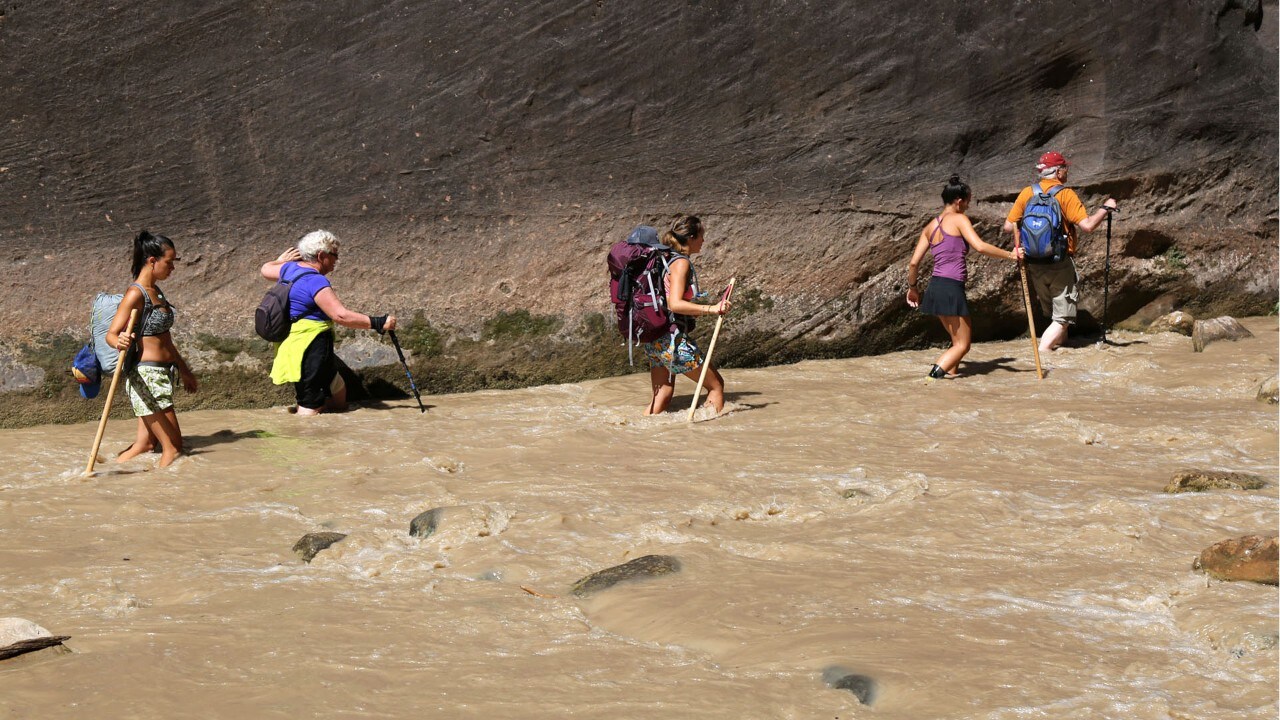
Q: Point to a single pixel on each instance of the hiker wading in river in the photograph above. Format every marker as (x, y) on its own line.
(676, 353)
(1052, 272)
(948, 238)
(151, 368)
(306, 358)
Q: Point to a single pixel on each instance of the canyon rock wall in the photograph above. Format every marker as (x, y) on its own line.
(478, 158)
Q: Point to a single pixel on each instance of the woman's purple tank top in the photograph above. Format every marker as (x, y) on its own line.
(949, 254)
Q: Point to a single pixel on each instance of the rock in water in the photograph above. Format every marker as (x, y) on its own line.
(1176, 321)
(862, 687)
(1201, 480)
(426, 523)
(1269, 390)
(18, 636)
(1253, 557)
(649, 565)
(312, 543)
(1223, 328)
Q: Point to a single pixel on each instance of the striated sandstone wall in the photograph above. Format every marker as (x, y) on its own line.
(478, 157)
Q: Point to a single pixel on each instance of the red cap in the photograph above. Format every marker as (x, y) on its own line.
(1051, 159)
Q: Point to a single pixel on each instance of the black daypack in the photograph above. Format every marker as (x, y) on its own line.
(272, 320)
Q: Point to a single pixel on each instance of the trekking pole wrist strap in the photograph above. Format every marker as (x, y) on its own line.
(376, 323)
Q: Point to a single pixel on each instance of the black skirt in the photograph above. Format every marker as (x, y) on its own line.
(944, 296)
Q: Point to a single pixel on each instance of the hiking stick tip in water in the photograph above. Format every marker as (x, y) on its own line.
(710, 349)
(412, 386)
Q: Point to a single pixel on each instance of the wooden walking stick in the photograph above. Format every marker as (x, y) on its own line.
(710, 349)
(1026, 296)
(111, 393)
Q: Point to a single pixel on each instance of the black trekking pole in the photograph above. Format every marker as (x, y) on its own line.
(408, 374)
(1106, 277)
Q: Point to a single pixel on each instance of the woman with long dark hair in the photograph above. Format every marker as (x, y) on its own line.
(948, 238)
(152, 367)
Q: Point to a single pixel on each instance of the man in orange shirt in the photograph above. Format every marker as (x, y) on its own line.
(1055, 282)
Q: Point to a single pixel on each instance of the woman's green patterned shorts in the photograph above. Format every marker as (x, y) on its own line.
(150, 388)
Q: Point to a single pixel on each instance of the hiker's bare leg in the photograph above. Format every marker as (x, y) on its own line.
(171, 416)
(714, 385)
(960, 328)
(143, 442)
(663, 386)
(337, 401)
(1053, 336)
(170, 437)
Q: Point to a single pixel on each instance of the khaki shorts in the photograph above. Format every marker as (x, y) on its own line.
(1056, 286)
(150, 388)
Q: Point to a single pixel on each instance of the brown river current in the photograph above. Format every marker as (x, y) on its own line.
(1005, 549)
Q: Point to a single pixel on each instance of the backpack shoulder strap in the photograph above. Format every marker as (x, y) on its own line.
(146, 297)
(1051, 192)
(693, 272)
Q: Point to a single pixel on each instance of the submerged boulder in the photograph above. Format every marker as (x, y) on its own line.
(1253, 558)
(1269, 390)
(1202, 480)
(18, 636)
(463, 522)
(1223, 328)
(1176, 321)
(862, 687)
(309, 545)
(646, 566)
(426, 523)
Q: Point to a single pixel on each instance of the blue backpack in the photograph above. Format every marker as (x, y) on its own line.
(1044, 232)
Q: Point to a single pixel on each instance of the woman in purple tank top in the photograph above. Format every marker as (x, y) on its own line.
(948, 239)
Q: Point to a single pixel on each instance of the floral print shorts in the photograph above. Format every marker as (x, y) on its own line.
(676, 352)
(150, 388)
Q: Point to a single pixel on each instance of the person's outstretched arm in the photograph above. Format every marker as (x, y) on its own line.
(971, 236)
(328, 301)
(1091, 223)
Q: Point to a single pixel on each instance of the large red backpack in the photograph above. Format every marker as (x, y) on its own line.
(637, 285)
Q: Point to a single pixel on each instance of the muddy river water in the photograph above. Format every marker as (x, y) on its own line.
(988, 547)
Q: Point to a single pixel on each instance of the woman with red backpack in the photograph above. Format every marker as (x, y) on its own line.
(676, 353)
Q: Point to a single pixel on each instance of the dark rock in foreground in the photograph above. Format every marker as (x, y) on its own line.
(862, 687)
(1202, 480)
(1253, 558)
(426, 523)
(1223, 328)
(647, 566)
(312, 543)
(18, 637)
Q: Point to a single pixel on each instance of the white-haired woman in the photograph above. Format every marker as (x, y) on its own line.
(306, 358)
